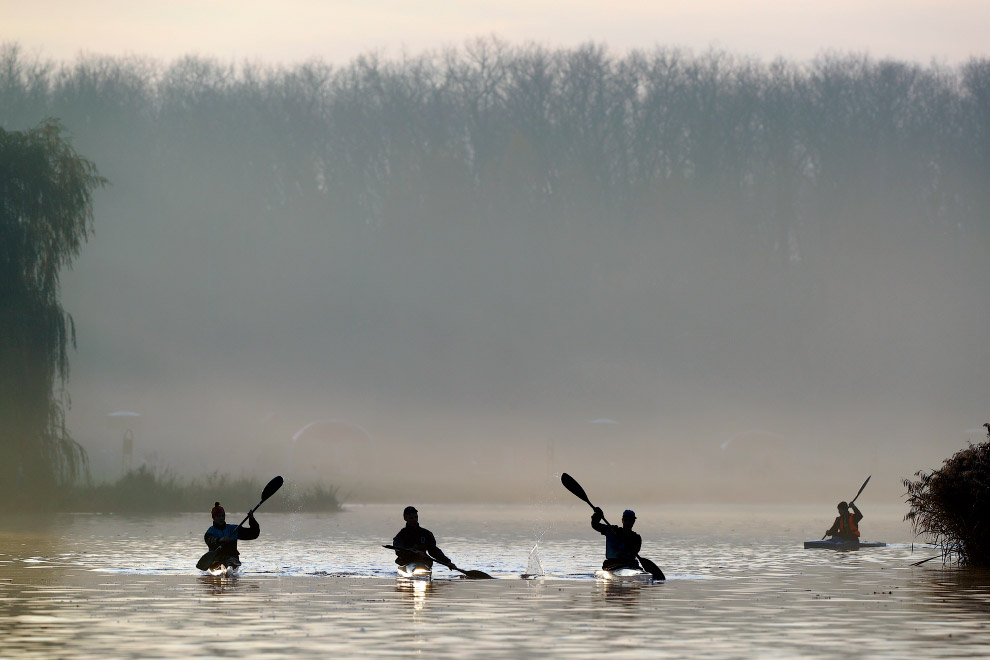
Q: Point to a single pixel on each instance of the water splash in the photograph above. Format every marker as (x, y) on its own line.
(534, 566)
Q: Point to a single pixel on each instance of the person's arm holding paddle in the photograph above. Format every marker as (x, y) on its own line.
(212, 540)
(596, 521)
(636, 544)
(405, 555)
(834, 529)
(857, 514)
(252, 531)
(435, 553)
(438, 556)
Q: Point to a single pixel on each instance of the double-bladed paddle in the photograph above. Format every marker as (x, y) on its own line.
(207, 560)
(858, 493)
(573, 486)
(474, 575)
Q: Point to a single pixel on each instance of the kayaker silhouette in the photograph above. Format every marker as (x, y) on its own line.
(225, 537)
(846, 525)
(414, 543)
(621, 543)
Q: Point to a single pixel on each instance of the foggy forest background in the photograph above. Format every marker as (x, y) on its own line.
(689, 275)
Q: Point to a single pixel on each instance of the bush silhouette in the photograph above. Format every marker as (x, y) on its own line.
(950, 505)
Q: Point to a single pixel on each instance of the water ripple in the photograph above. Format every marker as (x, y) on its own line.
(317, 586)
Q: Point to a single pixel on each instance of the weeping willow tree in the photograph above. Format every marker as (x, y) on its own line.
(46, 214)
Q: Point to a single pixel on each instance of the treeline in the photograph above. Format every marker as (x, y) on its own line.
(520, 224)
(535, 135)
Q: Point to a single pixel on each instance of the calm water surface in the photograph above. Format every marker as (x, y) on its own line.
(739, 585)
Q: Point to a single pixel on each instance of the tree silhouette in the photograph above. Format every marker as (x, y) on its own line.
(45, 215)
(461, 197)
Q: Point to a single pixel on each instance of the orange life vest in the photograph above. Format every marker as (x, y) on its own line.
(848, 523)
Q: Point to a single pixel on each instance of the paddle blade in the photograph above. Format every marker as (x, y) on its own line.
(207, 560)
(270, 489)
(478, 575)
(860, 489)
(652, 568)
(573, 486)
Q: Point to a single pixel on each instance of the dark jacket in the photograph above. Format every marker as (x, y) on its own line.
(229, 536)
(621, 545)
(420, 540)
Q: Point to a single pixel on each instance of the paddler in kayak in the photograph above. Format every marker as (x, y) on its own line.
(224, 536)
(415, 543)
(846, 525)
(621, 543)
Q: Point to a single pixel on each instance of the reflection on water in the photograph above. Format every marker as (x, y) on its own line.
(217, 585)
(961, 592)
(625, 594)
(739, 585)
(417, 589)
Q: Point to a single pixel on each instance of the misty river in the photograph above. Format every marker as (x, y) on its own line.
(739, 585)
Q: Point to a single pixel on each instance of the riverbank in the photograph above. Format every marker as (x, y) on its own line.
(148, 491)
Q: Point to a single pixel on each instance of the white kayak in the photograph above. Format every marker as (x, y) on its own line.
(228, 569)
(838, 544)
(417, 569)
(624, 575)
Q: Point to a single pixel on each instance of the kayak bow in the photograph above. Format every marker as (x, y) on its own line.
(419, 570)
(624, 575)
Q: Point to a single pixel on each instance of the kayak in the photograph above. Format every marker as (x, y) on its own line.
(624, 575)
(831, 544)
(416, 569)
(225, 569)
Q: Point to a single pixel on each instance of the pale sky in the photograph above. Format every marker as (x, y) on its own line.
(289, 31)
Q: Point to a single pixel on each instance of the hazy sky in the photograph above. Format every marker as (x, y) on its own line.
(949, 31)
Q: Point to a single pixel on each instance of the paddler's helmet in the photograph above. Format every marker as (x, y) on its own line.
(217, 510)
(629, 513)
(843, 507)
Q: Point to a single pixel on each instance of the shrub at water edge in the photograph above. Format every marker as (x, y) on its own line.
(950, 505)
(146, 490)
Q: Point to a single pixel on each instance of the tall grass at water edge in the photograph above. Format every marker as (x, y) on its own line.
(146, 490)
(949, 505)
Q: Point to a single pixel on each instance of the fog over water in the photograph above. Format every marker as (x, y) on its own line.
(677, 276)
